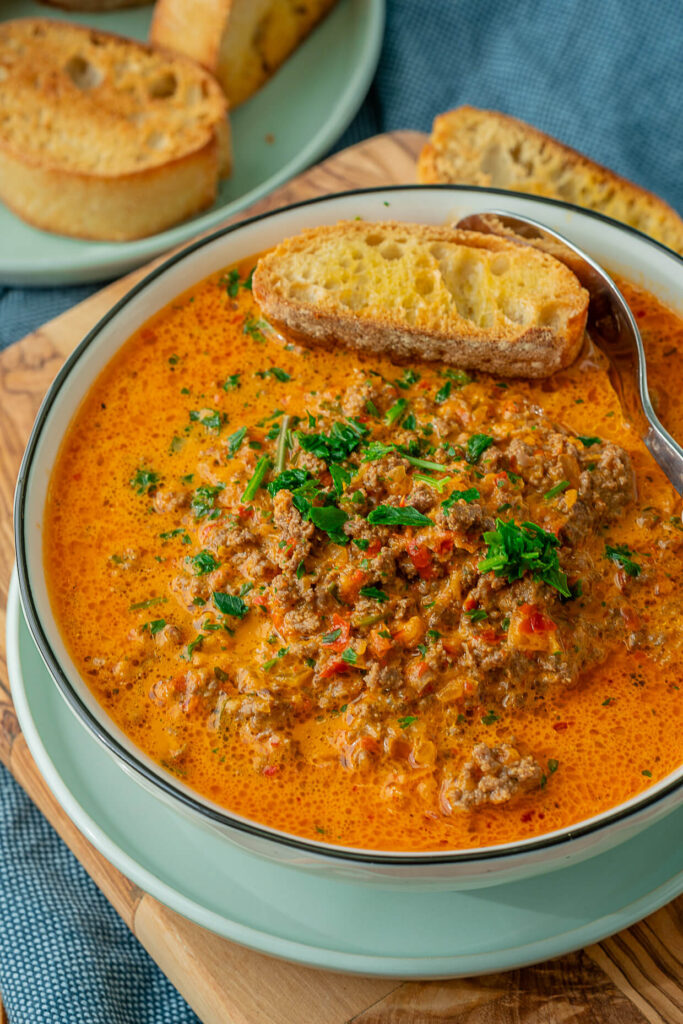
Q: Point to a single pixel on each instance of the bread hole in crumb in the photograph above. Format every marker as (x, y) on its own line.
(82, 73)
(3, 74)
(374, 239)
(514, 310)
(500, 264)
(391, 251)
(496, 163)
(439, 250)
(155, 140)
(550, 315)
(424, 285)
(163, 86)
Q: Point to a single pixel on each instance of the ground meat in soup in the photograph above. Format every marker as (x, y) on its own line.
(398, 607)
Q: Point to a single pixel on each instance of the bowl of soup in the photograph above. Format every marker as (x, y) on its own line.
(394, 621)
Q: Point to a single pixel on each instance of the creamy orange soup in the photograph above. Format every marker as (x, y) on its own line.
(392, 607)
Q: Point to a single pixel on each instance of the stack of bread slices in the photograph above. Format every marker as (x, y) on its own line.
(102, 137)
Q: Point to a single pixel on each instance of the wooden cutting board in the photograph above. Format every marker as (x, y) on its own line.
(636, 976)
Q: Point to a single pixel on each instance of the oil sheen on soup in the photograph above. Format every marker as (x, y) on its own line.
(387, 606)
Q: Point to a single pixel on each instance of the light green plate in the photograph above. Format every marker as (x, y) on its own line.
(304, 108)
(303, 917)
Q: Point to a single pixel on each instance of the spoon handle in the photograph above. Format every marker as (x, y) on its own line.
(666, 452)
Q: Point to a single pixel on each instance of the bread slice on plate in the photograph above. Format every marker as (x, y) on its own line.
(415, 291)
(482, 147)
(102, 137)
(242, 42)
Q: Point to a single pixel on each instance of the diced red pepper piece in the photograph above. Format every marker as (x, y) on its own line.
(421, 558)
(534, 621)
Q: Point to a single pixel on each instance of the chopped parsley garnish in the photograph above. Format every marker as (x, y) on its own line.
(233, 382)
(394, 414)
(334, 634)
(267, 665)
(235, 441)
(471, 494)
(149, 603)
(230, 604)
(232, 283)
(211, 419)
(438, 485)
(349, 656)
(458, 377)
(341, 478)
(647, 773)
(204, 499)
(288, 480)
(197, 642)
(374, 593)
(172, 533)
(410, 423)
(203, 563)
(489, 718)
(557, 489)
(371, 407)
(255, 328)
(516, 549)
(361, 543)
(378, 449)
(262, 467)
(407, 720)
(407, 380)
(443, 393)
(155, 626)
(342, 439)
(392, 515)
(587, 442)
(330, 520)
(279, 374)
(144, 481)
(476, 446)
(477, 614)
(300, 570)
(621, 554)
(553, 765)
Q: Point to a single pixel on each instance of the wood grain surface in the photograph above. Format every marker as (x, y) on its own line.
(634, 977)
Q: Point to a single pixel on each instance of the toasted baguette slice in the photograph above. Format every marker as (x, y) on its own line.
(104, 138)
(242, 42)
(482, 147)
(473, 300)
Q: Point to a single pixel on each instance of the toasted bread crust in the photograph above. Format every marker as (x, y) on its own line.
(101, 143)
(242, 42)
(296, 287)
(484, 147)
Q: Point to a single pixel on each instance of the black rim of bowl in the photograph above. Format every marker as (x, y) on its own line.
(225, 818)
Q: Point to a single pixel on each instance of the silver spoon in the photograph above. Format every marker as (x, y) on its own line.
(610, 323)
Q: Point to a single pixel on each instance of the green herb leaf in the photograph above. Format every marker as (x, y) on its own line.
(443, 393)
(279, 374)
(330, 520)
(144, 481)
(557, 489)
(490, 718)
(155, 626)
(230, 604)
(235, 441)
(407, 720)
(476, 446)
(407, 380)
(288, 480)
(203, 563)
(392, 515)
(349, 656)
(342, 440)
(394, 414)
(204, 499)
(149, 603)
(334, 634)
(587, 442)
(621, 554)
(471, 494)
(232, 383)
(516, 549)
(262, 467)
(341, 478)
(374, 593)
(477, 614)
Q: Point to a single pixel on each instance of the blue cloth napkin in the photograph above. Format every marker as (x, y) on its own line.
(604, 77)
